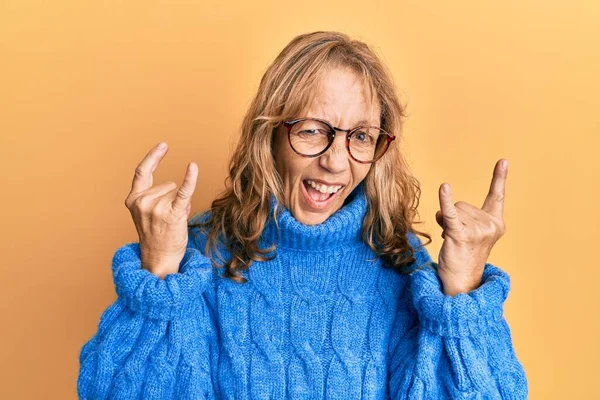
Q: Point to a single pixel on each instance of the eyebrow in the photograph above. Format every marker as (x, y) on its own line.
(358, 123)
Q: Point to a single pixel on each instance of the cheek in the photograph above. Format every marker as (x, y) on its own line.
(360, 172)
(282, 159)
(290, 167)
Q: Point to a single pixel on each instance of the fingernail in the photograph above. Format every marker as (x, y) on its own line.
(162, 146)
(446, 188)
(505, 164)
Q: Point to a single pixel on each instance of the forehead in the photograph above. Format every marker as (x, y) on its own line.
(341, 95)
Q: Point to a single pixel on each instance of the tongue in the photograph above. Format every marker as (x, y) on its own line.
(316, 195)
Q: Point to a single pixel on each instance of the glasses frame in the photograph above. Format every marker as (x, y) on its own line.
(332, 133)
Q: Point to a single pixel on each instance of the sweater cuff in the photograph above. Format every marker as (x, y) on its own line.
(153, 297)
(465, 314)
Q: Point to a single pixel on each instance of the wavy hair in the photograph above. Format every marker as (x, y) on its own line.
(239, 214)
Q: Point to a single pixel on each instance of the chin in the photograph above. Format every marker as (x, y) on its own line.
(308, 216)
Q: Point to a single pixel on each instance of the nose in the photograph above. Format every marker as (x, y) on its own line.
(336, 159)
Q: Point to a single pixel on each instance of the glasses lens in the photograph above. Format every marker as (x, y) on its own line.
(309, 137)
(368, 144)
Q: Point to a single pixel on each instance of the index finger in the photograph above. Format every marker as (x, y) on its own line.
(494, 202)
(142, 180)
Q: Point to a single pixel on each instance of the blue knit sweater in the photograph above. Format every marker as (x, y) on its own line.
(323, 320)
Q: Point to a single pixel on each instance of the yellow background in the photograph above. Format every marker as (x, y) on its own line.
(88, 87)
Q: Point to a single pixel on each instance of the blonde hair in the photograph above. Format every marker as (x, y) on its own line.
(239, 214)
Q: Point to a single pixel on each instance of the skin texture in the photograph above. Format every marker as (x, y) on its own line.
(470, 233)
(160, 213)
(342, 101)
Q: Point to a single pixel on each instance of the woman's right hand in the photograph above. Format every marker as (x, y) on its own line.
(160, 214)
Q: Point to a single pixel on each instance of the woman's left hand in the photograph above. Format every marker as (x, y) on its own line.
(469, 234)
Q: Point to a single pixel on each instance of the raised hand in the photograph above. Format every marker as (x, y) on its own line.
(160, 214)
(469, 234)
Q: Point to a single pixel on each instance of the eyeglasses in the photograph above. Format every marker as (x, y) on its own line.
(311, 137)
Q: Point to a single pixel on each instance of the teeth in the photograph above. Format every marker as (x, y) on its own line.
(323, 188)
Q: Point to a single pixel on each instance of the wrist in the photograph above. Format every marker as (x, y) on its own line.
(451, 286)
(162, 266)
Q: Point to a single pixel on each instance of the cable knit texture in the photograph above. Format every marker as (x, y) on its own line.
(324, 319)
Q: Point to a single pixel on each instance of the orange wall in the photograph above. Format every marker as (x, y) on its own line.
(86, 88)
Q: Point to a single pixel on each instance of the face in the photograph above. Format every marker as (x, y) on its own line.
(342, 101)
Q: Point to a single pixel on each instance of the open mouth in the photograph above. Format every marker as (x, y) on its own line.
(319, 196)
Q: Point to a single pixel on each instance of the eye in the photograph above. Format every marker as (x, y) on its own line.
(311, 132)
(310, 129)
(362, 137)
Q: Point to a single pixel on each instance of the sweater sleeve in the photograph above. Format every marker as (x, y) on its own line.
(157, 340)
(454, 347)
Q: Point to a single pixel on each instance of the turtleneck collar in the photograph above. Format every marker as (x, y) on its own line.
(341, 228)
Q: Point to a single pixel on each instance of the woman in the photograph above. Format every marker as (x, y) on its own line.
(306, 278)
